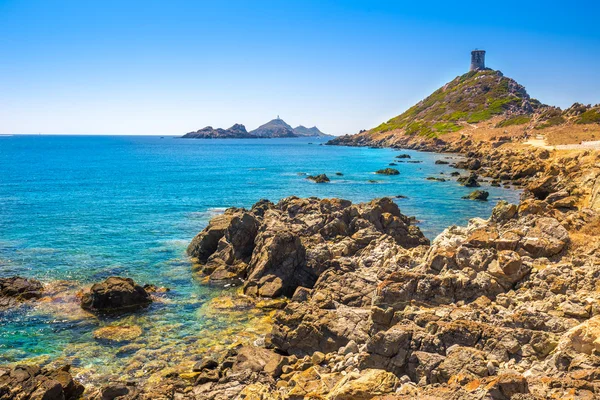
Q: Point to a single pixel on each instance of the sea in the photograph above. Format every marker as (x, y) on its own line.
(75, 210)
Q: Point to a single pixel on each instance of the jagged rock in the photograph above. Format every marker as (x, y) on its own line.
(277, 265)
(469, 181)
(206, 363)
(543, 187)
(115, 294)
(254, 359)
(321, 178)
(480, 195)
(303, 328)
(16, 289)
(365, 385)
(33, 382)
(295, 241)
(421, 364)
(467, 362)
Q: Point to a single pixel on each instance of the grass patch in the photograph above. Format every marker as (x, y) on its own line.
(589, 117)
(447, 127)
(550, 122)
(517, 120)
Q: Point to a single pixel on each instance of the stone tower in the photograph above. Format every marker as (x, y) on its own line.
(477, 60)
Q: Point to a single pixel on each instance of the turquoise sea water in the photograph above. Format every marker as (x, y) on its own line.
(81, 208)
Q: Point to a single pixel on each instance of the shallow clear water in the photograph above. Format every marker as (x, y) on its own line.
(81, 208)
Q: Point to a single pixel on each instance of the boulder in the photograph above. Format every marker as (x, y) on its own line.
(480, 195)
(469, 181)
(366, 384)
(115, 294)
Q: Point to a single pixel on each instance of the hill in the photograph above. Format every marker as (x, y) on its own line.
(274, 128)
(484, 100)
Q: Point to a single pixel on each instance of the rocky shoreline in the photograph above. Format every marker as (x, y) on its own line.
(368, 308)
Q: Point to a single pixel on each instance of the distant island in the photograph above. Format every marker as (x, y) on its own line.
(276, 128)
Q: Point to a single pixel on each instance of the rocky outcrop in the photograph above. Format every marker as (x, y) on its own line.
(33, 382)
(388, 171)
(115, 294)
(321, 178)
(276, 248)
(17, 289)
(481, 195)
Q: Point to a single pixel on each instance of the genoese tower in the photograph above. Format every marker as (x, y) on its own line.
(477, 60)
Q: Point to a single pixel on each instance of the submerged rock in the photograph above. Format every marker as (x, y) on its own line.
(115, 294)
(125, 333)
(434, 178)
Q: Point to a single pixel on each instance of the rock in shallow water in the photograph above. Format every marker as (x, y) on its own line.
(16, 288)
(480, 195)
(388, 171)
(115, 294)
(321, 178)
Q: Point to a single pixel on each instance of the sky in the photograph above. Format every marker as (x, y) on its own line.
(145, 67)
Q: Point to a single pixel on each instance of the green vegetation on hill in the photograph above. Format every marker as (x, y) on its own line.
(550, 117)
(471, 98)
(589, 117)
(516, 120)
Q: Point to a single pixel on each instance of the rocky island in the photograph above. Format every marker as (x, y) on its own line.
(276, 128)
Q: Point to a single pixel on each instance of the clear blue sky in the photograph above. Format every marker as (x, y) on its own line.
(169, 67)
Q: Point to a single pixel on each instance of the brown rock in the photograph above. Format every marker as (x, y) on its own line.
(115, 294)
